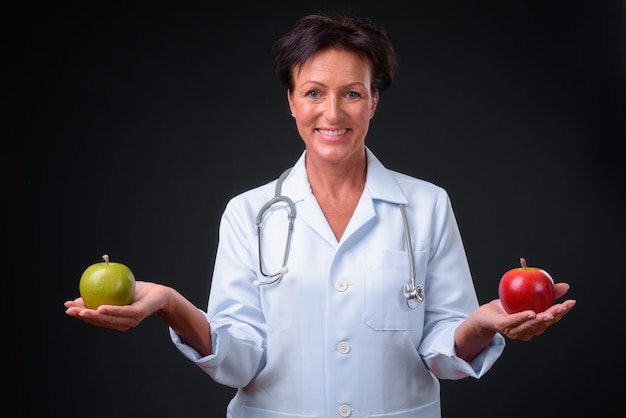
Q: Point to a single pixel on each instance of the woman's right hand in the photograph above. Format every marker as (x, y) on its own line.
(149, 298)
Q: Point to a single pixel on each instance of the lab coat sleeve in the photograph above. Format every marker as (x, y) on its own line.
(444, 363)
(452, 296)
(234, 309)
(229, 363)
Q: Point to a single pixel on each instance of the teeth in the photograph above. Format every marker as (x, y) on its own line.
(333, 133)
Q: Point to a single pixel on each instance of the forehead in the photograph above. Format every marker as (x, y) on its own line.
(334, 63)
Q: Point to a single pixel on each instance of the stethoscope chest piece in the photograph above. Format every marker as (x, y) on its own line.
(413, 295)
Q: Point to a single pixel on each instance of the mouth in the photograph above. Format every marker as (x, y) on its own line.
(332, 132)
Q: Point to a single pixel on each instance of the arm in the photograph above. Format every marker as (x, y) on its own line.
(150, 298)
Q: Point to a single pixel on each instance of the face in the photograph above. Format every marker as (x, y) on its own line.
(332, 104)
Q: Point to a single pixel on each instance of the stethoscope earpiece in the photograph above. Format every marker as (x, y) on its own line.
(275, 277)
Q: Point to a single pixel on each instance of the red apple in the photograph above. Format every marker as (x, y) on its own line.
(524, 288)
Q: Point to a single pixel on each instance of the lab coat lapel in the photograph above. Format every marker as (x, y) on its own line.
(313, 216)
(379, 185)
(296, 185)
(308, 210)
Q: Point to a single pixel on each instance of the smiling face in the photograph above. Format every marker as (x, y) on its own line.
(332, 103)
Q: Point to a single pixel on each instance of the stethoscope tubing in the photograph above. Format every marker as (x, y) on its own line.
(412, 292)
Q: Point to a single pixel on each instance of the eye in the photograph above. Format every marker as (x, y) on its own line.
(353, 95)
(313, 94)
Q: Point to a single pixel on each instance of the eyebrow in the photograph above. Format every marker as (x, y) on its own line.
(354, 83)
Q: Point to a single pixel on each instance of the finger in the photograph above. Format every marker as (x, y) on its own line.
(76, 302)
(522, 332)
(530, 329)
(106, 321)
(560, 289)
(73, 311)
(558, 310)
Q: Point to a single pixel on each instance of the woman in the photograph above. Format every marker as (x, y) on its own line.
(360, 305)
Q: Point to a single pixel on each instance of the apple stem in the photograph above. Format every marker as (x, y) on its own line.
(523, 263)
(106, 259)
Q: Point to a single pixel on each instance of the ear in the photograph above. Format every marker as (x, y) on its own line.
(290, 101)
(374, 103)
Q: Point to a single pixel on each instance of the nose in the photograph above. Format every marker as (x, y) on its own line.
(333, 109)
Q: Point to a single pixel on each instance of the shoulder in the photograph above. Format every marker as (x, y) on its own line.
(254, 197)
(417, 188)
(406, 180)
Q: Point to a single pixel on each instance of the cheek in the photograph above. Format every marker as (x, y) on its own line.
(360, 111)
(305, 113)
(308, 114)
(362, 115)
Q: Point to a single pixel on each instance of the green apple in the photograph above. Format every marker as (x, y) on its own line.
(107, 283)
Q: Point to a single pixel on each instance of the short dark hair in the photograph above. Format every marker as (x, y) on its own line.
(315, 32)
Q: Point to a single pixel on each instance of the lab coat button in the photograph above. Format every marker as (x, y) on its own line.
(344, 410)
(343, 347)
(341, 285)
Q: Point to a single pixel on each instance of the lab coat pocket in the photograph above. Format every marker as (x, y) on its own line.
(386, 273)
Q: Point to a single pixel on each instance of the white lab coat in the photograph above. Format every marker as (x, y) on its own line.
(334, 337)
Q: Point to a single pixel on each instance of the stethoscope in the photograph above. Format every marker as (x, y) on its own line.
(413, 293)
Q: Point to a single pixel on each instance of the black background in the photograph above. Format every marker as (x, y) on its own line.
(138, 123)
